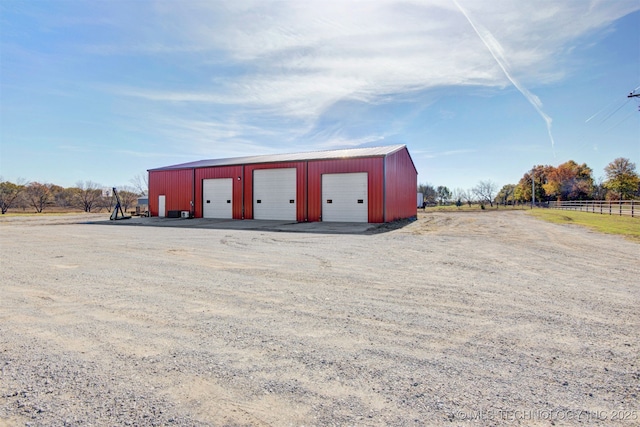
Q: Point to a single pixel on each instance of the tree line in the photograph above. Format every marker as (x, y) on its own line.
(568, 181)
(87, 196)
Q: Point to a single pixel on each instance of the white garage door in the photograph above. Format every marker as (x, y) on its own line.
(274, 194)
(344, 197)
(216, 198)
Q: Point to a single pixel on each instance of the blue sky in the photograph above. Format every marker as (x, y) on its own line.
(477, 90)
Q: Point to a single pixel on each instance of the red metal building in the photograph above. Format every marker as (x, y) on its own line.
(375, 185)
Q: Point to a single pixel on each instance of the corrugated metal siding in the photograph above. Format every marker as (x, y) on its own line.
(291, 157)
(301, 191)
(372, 165)
(176, 185)
(233, 172)
(396, 171)
(401, 181)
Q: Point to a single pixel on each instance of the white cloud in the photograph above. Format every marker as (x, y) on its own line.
(296, 59)
(303, 56)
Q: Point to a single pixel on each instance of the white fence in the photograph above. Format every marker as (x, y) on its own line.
(604, 207)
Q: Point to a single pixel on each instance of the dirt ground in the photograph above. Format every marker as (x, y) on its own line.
(487, 318)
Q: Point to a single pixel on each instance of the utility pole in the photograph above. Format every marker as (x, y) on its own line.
(533, 187)
(634, 95)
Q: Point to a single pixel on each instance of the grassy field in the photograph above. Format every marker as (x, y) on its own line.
(473, 208)
(623, 225)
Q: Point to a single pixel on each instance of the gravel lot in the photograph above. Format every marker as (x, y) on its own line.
(487, 318)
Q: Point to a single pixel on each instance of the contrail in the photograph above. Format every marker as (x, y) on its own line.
(495, 48)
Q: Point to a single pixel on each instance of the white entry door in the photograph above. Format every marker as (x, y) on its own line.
(274, 194)
(217, 198)
(161, 206)
(345, 197)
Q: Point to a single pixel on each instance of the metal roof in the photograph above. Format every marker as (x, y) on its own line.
(294, 157)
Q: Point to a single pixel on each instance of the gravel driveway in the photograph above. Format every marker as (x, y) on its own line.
(487, 318)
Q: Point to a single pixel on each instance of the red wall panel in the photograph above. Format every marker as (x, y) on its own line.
(392, 184)
(401, 186)
(176, 185)
(371, 165)
(301, 191)
(233, 172)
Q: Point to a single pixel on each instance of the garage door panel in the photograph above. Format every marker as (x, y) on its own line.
(274, 194)
(345, 197)
(217, 199)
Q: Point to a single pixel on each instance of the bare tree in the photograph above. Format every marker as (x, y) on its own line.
(9, 193)
(38, 195)
(141, 184)
(459, 196)
(128, 197)
(88, 195)
(468, 195)
(486, 191)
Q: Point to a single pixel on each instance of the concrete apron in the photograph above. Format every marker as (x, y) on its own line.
(248, 224)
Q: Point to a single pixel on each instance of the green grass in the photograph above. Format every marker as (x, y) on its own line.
(610, 224)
